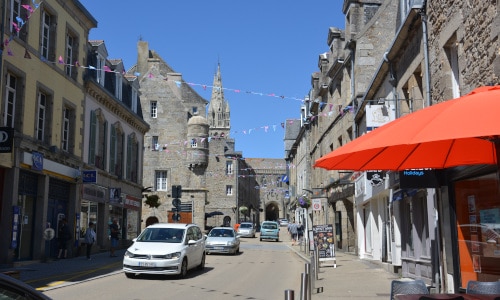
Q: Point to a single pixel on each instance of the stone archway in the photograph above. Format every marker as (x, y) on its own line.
(272, 212)
(151, 221)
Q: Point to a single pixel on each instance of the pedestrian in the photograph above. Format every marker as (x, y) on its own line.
(115, 236)
(63, 238)
(293, 232)
(300, 232)
(90, 238)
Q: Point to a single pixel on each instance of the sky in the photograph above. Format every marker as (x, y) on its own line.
(267, 51)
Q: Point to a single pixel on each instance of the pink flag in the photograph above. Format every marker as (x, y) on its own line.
(107, 69)
(61, 61)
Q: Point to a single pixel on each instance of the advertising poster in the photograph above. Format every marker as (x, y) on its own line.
(323, 241)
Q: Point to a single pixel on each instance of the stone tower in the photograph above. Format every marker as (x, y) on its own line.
(218, 111)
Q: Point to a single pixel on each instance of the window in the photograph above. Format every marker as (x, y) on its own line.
(17, 14)
(132, 157)
(154, 143)
(48, 36)
(100, 69)
(134, 100)
(98, 139)
(451, 51)
(116, 150)
(195, 110)
(10, 100)
(154, 109)
(67, 142)
(229, 190)
(194, 144)
(43, 117)
(161, 180)
(71, 55)
(118, 86)
(229, 167)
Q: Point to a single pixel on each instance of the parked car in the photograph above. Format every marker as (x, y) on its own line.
(12, 288)
(246, 229)
(168, 248)
(283, 222)
(269, 230)
(222, 240)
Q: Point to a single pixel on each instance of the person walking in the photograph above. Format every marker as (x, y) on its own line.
(90, 238)
(63, 237)
(293, 232)
(115, 236)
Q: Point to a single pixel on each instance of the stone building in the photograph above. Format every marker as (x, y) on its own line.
(437, 50)
(113, 148)
(168, 106)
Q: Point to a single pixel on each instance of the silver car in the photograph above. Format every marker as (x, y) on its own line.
(222, 240)
(246, 229)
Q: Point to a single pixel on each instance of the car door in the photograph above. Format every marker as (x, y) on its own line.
(193, 251)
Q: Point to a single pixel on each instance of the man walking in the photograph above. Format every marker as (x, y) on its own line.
(115, 236)
(90, 238)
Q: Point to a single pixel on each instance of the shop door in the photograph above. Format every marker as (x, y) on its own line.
(27, 196)
(59, 193)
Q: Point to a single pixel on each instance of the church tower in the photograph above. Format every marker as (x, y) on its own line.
(218, 110)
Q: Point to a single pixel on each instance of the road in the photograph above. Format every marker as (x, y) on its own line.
(262, 270)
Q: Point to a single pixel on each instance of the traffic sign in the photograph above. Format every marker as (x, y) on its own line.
(176, 217)
(316, 204)
(176, 202)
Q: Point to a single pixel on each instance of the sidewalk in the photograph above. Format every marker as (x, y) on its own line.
(53, 273)
(353, 278)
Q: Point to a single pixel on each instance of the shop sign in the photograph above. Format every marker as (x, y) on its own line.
(6, 135)
(37, 159)
(323, 241)
(417, 178)
(89, 176)
(132, 202)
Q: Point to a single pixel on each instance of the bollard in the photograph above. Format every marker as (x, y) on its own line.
(304, 286)
(289, 295)
(317, 263)
(309, 281)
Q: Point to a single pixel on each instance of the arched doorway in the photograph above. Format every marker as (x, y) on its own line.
(272, 212)
(151, 221)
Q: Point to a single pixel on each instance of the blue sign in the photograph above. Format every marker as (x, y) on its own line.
(37, 158)
(89, 176)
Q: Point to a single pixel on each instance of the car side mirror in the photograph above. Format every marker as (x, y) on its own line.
(191, 242)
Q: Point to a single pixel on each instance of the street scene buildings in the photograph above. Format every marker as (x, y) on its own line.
(89, 140)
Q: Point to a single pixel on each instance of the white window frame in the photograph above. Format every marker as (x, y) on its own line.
(14, 13)
(194, 143)
(70, 42)
(161, 180)
(229, 190)
(65, 139)
(45, 43)
(229, 167)
(10, 100)
(153, 106)
(154, 143)
(134, 100)
(41, 116)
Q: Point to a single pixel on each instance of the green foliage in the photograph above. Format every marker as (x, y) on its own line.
(153, 201)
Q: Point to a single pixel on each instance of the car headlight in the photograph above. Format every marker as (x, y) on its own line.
(129, 254)
(173, 255)
(231, 243)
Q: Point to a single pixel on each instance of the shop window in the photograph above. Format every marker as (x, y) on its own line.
(478, 228)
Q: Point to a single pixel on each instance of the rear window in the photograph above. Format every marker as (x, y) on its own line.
(246, 225)
(269, 226)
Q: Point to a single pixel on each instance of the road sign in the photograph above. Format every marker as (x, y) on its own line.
(176, 191)
(176, 217)
(316, 204)
(176, 202)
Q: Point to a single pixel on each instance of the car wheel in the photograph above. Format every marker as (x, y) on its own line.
(184, 268)
(130, 275)
(261, 239)
(202, 265)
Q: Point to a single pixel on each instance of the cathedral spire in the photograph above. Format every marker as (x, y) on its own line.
(218, 110)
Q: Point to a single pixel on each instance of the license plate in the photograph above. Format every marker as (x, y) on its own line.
(218, 248)
(147, 264)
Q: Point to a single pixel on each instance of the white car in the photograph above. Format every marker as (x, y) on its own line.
(246, 229)
(168, 248)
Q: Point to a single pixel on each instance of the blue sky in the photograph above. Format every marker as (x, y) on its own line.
(264, 47)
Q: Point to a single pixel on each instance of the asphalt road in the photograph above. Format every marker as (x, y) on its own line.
(263, 270)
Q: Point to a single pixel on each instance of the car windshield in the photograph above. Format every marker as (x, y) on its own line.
(246, 225)
(269, 226)
(221, 233)
(162, 235)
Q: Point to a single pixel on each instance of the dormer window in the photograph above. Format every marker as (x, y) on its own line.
(100, 69)
(118, 86)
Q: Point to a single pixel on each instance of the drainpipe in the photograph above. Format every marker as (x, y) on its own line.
(426, 55)
(394, 82)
